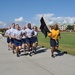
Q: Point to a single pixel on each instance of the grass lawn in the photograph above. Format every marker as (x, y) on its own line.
(67, 42)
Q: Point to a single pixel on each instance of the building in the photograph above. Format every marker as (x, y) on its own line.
(62, 27)
(74, 27)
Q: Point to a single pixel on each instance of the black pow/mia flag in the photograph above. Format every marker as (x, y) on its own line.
(43, 27)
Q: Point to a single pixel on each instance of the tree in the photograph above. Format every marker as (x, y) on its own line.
(69, 27)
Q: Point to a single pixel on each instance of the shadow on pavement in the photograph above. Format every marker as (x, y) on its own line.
(39, 49)
(24, 54)
(59, 53)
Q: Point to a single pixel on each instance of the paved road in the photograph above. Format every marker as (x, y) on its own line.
(39, 64)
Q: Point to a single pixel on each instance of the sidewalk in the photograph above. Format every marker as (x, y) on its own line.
(38, 64)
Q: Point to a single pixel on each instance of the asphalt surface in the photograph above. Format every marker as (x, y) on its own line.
(40, 63)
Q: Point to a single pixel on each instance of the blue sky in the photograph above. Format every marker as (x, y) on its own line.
(24, 11)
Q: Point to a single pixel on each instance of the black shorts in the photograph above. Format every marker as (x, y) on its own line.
(54, 43)
(8, 40)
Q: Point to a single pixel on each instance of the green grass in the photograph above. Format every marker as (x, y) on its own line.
(67, 42)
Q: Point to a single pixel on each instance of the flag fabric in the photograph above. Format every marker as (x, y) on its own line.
(43, 27)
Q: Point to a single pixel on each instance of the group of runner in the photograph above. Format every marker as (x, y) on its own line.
(25, 37)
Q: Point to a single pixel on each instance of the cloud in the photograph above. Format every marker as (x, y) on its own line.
(48, 15)
(50, 19)
(20, 19)
(2, 24)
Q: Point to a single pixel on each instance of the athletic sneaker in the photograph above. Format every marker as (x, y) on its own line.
(8, 48)
(18, 54)
(52, 56)
(13, 52)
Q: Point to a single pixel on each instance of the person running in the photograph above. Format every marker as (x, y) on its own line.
(17, 35)
(28, 35)
(54, 35)
(23, 38)
(35, 39)
(8, 37)
(12, 39)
